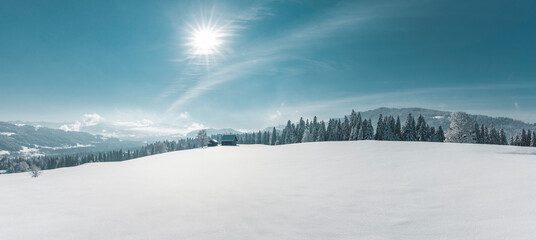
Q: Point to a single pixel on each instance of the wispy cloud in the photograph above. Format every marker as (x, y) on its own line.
(255, 59)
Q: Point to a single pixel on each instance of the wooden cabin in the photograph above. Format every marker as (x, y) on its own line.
(212, 143)
(229, 140)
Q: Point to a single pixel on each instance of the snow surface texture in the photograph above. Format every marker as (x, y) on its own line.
(329, 190)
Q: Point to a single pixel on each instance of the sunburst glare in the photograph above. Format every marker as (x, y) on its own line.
(206, 39)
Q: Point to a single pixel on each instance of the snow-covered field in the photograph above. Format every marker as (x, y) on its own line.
(331, 190)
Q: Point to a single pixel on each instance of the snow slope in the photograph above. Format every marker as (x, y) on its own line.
(330, 190)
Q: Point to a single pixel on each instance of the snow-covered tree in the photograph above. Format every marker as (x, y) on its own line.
(307, 137)
(321, 132)
(273, 137)
(354, 133)
(461, 129)
(345, 129)
(158, 147)
(360, 132)
(533, 140)
(479, 133)
(35, 171)
(202, 138)
(502, 137)
(494, 137)
(528, 141)
(315, 127)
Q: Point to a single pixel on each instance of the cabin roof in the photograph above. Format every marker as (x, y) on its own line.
(213, 141)
(229, 138)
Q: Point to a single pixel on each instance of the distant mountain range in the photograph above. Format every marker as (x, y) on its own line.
(20, 139)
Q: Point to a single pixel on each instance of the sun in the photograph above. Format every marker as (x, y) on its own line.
(205, 42)
(207, 38)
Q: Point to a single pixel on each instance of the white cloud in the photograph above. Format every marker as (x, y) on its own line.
(73, 127)
(87, 121)
(92, 119)
(184, 115)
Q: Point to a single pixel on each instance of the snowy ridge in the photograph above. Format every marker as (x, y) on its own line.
(323, 190)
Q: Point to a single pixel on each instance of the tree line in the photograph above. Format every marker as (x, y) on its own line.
(23, 164)
(350, 128)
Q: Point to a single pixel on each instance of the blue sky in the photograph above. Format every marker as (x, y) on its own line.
(132, 62)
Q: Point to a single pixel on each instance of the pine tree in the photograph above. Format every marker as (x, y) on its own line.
(330, 130)
(273, 139)
(360, 132)
(440, 134)
(299, 130)
(315, 129)
(368, 130)
(345, 129)
(388, 129)
(486, 136)
(398, 129)
(523, 140)
(379, 129)
(479, 133)
(533, 140)
(321, 132)
(409, 132)
(354, 133)
(517, 141)
(494, 136)
(422, 129)
(359, 121)
(259, 138)
(502, 137)
(529, 138)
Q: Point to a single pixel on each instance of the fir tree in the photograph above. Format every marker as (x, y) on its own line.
(440, 134)
(502, 137)
(422, 129)
(368, 130)
(398, 129)
(379, 129)
(321, 132)
(409, 132)
(494, 136)
(273, 139)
